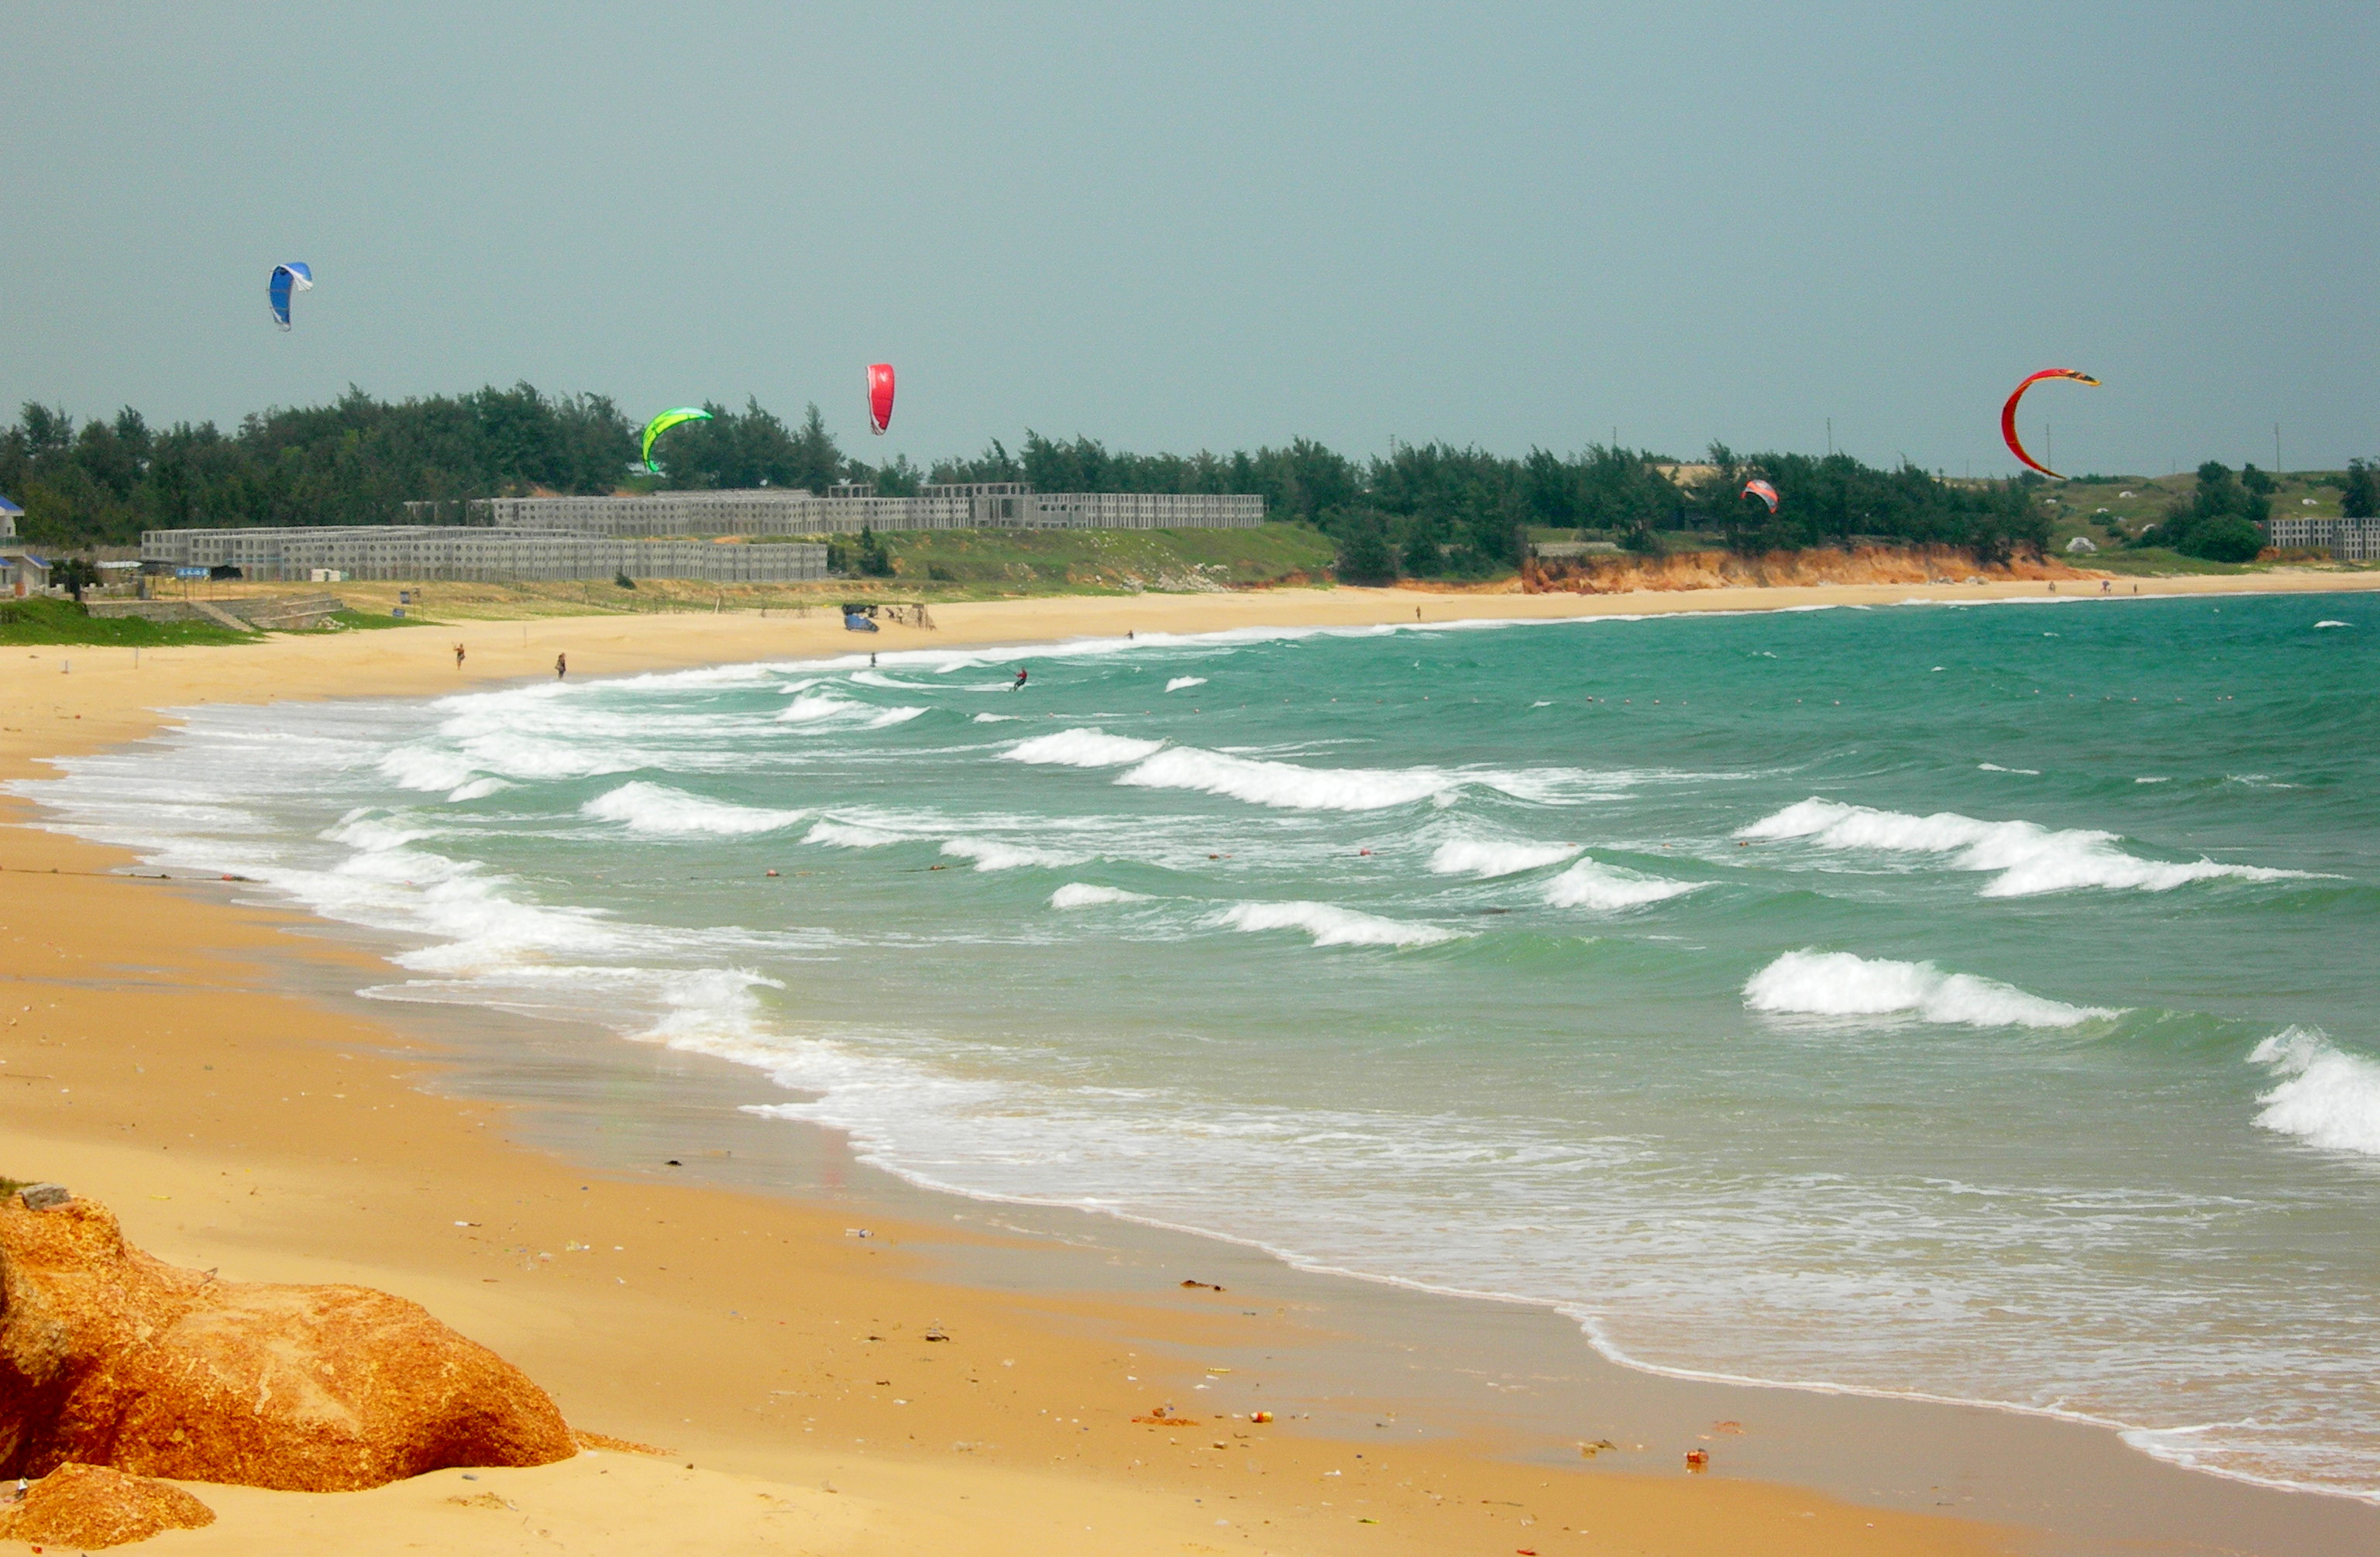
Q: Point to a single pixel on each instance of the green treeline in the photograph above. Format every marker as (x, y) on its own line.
(2223, 519)
(1429, 510)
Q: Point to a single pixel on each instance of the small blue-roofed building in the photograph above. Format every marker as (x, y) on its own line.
(21, 573)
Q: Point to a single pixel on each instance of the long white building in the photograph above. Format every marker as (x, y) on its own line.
(449, 551)
(845, 511)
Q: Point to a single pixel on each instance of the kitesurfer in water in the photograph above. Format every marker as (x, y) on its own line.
(1018, 685)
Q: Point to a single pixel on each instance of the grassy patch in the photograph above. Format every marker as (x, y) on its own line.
(351, 619)
(1108, 561)
(61, 621)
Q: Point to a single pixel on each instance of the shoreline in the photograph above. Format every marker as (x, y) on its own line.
(106, 707)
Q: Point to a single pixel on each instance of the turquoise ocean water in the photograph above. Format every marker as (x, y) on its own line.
(1973, 1002)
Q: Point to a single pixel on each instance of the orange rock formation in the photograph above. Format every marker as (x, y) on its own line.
(90, 1506)
(111, 1357)
(1717, 570)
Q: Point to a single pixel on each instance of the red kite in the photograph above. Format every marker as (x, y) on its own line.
(2007, 414)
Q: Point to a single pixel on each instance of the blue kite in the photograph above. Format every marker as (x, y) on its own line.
(294, 276)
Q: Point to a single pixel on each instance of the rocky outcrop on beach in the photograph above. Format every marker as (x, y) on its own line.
(111, 1357)
(1722, 570)
(87, 1507)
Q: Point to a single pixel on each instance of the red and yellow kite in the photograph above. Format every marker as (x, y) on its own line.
(2007, 414)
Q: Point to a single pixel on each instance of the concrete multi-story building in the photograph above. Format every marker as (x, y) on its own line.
(2346, 539)
(449, 551)
(847, 510)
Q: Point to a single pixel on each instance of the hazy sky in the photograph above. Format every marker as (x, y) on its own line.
(1169, 227)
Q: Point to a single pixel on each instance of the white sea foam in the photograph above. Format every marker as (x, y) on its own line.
(1331, 925)
(989, 854)
(1082, 748)
(477, 789)
(851, 836)
(1486, 856)
(2321, 624)
(2026, 857)
(1842, 984)
(1995, 767)
(820, 708)
(809, 707)
(1179, 682)
(658, 810)
(1287, 785)
(1083, 894)
(2327, 1096)
(995, 719)
(1611, 888)
(428, 767)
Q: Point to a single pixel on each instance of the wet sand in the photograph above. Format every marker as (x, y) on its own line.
(513, 1176)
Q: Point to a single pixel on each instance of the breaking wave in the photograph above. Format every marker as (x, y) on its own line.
(2027, 858)
(851, 836)
(991, 855)
(1181, 682)
(658, 810)
(1082, 748)
(1331, 925)
(1082, 894)
(1485, 857)
(1609, 888)
(1844, 984)
(2326, 1095)
(812, 709)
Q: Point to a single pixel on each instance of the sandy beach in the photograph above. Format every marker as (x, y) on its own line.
(189, 1056)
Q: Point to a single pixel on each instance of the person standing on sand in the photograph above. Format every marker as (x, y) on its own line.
(561, 666)
(458, 656)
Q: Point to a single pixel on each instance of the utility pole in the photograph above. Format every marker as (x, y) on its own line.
(1831, 437)
(2277, 450)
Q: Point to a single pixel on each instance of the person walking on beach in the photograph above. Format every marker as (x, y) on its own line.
(458, 656)
(561, 666)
